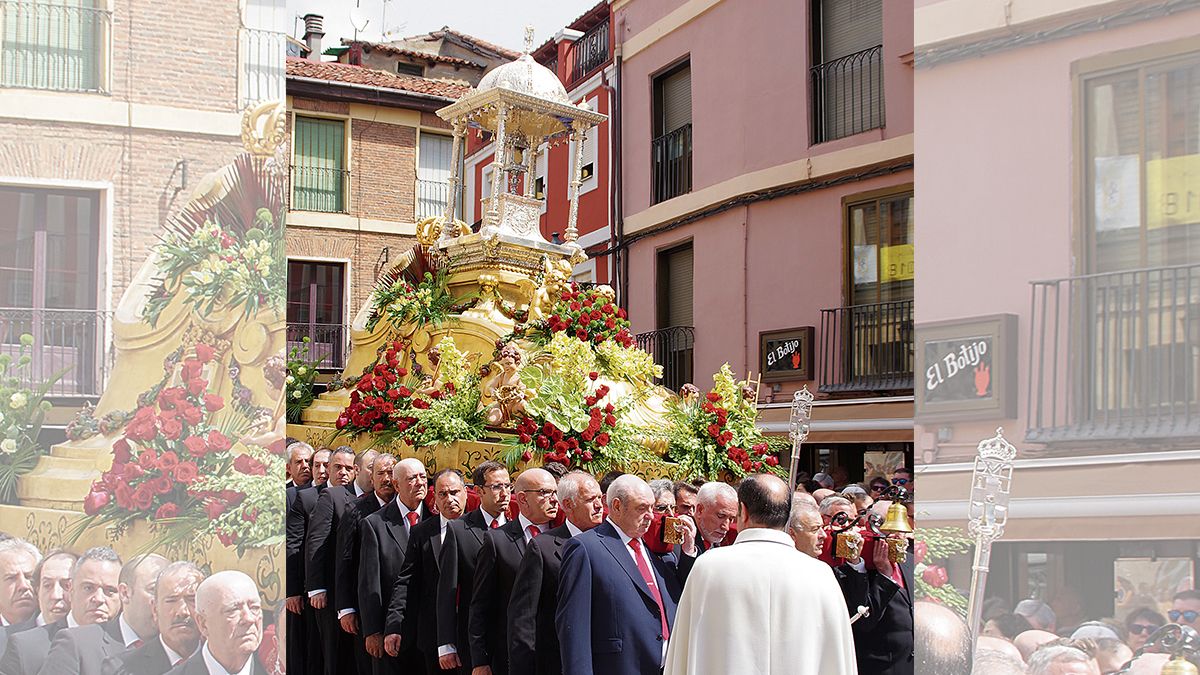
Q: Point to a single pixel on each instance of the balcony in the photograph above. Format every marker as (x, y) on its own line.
(672, 157)
(847, 95)
(54, 46)
(262, 65)
(672, 348)
(329, 344)
(867, 348)
(589, 53)
(1115, 357)
(319, 189)
(71, 341)
(431, 198)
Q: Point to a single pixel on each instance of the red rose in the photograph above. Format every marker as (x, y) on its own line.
(217, 441)
(713, 396)
(249, 466)
(526, 456)
(185, 472)
(133, 472)
(398, 345)
(610, 420)
(197, 386)
(171, 429)
(213, 509)
(543, 442)
(161, 485)
(621, 313)
(143, 497)
(435, 394)
(204, 352)
(195, 446)
(227, 539)
(405, 392)
(191, 370)
(94, 502)
(587, 456)
(746, 465)
(772, 461)
(421, 404)
(191, 414)
(594, 375)
(920, 550)
(726, 436)
(935, 575)
(609, 323)
(213, 403)
(525, 438)
(124, 496)
(141, 430)
(714, 431)
(581, 334)
(121, 451)
(168, 460)
(602, 440)
(588, 435)
(168, 510)
(147, 459)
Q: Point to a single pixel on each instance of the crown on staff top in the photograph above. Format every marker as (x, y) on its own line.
(997, 447)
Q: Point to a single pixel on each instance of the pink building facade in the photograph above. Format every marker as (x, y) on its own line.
(765, 212)
(1056, 232)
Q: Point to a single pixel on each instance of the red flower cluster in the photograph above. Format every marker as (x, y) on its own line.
(379, 400)
(717, 418)
(570, 447)
(589, 316)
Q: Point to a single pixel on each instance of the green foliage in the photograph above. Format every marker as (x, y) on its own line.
(23, 410)
(428, 303)
(302, 373)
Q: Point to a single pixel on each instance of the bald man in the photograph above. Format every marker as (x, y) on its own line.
(384, 535)
(536, 493)
(1028, 642)
(943, 641)
(229, 617)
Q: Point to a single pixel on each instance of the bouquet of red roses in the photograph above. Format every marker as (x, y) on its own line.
(381, 398)
(588, 315)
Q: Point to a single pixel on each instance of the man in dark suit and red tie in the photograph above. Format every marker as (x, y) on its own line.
(174, 613)
(536, 493)
(532, 636)
(617, 601)
(348, 546)
(321, 559)
(456, 564)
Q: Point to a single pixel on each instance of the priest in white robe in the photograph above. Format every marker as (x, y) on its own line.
(760, 607)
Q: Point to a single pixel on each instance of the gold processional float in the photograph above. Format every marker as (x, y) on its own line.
(478, 346)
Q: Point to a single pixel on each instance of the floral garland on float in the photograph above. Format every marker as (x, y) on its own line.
(23, 409)
(933, 547)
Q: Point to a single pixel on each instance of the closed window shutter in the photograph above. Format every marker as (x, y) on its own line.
(679, 287)
(319, 142)
(677, 100)
(850, 26)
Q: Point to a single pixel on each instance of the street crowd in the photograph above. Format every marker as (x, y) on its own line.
(64, 613)
(550, 571)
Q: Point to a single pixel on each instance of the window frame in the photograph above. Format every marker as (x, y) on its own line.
(348, 203)
(848, 203)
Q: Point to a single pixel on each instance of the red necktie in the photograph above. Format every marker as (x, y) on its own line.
(412, 518)
(534, 531)
(636, 545)
(135, 644)
(495, 523)
(897, 576)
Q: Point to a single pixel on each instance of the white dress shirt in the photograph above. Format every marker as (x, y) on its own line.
(40, 620)
(527, 523)
(404, 511)
(487, 518)
(215, 668)
(71, 622)
(445, 524)
(575, 531)
(128, 634)
(172, 657)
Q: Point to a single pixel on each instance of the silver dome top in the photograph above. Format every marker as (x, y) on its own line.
(525, 76)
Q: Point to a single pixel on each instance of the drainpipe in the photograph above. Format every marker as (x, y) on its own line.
(621, 259)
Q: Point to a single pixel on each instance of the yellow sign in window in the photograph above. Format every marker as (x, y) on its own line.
(1172, 191)
(896, 263)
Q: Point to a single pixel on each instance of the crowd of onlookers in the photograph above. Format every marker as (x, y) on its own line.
(93, 613)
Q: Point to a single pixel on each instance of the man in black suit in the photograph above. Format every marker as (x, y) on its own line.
(82, 650)
(321, 559)
(364, 478)
(174, 613)
(385, 535)
(533, 639)
(320, 466)
(53, 581)
(496, 571)
(299, 464)
(349, 543)
(414, 600)
(95, 599)
(456, 563)
(304, 653)
(229, 617)
(18, 561)
(883, 639)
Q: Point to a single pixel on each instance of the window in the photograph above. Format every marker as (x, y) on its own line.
(54, 45)
(1142, 141)
(433, 175)
(881, 249)
(48, 283)
(587, 173)
(847, 78)
(404, 68)
(316, 309)
(671, 149)
(673, 343)
(540, 175)
(319, 177)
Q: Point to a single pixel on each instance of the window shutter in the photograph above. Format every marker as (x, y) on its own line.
(679, 287)
(319, 143)
(677, 99)
(850, 26)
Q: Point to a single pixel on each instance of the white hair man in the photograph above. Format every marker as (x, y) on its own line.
(18, 602)
(229, 618)
(1060, 660)
(806, 529)
(716, 510)
(299, 464)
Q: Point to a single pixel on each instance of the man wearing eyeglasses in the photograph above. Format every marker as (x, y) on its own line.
(903, 477)
(456, 562)
(1186, 609)
(496, 571)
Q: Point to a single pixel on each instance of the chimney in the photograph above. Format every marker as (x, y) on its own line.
(314, 30)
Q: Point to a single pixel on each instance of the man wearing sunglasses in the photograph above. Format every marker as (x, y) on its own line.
(1186, 609)
(903, 477)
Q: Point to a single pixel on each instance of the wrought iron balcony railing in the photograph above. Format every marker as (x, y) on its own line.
(71, 341)
(847, 95)
(672, 157)
(54, 46)
(1115, 356)
(329, 344)
(262, 64)
(319, 189)
(672, 348)
(589, 53)
(431, 198)
(867, 347)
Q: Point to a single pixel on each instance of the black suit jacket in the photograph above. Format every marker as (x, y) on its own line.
(82, 650)
(195, 666)
(348, 543)
(883, 640)
(412, 611)
(15, 628)
(495, 576)
(532, 637)
(300, 503)
(384, 543)
(320, 558)
(149, 659)
(456, 582)
(27, 650)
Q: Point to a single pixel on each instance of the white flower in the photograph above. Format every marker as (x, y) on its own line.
(301, 370)
(290, 379)
(17, 401)
(8, 446)
(296, 394)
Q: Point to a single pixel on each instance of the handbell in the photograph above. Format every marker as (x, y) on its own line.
(1179, 666)
(897, 520)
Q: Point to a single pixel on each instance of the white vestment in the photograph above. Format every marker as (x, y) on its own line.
(760, 607)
